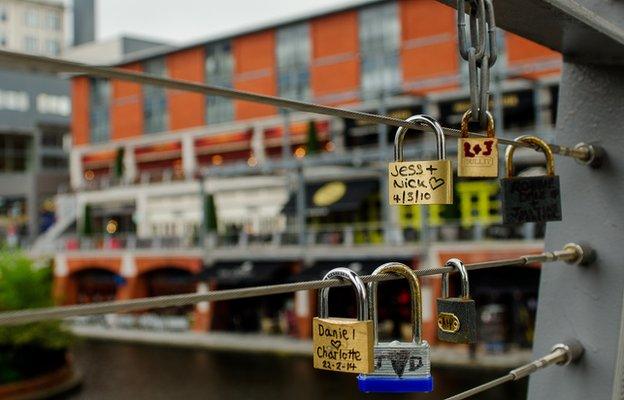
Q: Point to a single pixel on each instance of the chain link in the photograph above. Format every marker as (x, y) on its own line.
(480, 52)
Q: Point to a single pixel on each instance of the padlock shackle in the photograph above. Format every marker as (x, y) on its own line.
(359, 287)
(457, 264)
(491, 133)
(537, 142)
(421, 119)
(403, 270)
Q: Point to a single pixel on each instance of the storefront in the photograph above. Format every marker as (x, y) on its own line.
(340, 211)
(269, 314)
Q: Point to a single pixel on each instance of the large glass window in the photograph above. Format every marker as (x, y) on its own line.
(155, 113)
(219, 72)
(15, 153)
(293, 61)
(379, 49)
(99, 110)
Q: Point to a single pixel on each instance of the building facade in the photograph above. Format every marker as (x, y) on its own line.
(293, 193)
(34, 110)
(32, 26)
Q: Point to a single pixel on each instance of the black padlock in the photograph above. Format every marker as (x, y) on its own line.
(457, 316)
(530, 198)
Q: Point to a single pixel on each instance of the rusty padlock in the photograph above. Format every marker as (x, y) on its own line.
(530, 198)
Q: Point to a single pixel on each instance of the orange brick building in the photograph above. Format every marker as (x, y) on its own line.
(401, 53)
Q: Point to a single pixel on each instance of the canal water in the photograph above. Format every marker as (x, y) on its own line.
(133, 371)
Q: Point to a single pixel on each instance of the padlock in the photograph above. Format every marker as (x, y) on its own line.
(477, 157)
(420, 182)
(400, 367)
(457, 316)
(343, 344)
(530, 198)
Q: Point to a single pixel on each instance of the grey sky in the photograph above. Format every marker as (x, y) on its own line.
(181, 21)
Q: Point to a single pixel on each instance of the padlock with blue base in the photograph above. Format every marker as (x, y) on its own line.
(399, 367)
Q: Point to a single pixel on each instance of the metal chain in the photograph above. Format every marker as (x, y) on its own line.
(582, 152)
(480, 52)
(571, 253)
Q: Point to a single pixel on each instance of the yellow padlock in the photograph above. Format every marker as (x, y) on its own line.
(343, 344)
(420, 182)
(477, 157)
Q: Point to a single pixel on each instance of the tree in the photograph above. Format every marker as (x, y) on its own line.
(32, 349)
(87, 224)
(118, 167)
(210, 214)
(313, 142)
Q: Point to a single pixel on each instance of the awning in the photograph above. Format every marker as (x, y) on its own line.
(363, 267)
(332, 196)
(246, 273)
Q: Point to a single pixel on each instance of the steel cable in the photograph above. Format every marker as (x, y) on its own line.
(50, 64)
(570, 253)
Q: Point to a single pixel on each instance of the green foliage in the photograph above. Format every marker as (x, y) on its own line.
(313, 142)
(86, 227)
(118, 167)
(25, 285)
(210, 214)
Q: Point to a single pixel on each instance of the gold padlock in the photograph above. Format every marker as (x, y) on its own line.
(477, 157)
(343, 344)
(420, 182)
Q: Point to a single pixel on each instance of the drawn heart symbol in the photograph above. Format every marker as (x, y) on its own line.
(336, 343)
(435, 182)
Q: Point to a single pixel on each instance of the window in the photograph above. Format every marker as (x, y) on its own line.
(99, 110)
(4, 15)
(3, 39)
(13, 100)
(219, 72)
(52, 47)
(53, 21)
(53, 104)
(31, 18)
(293, 61)
(31, 44)
(379, 50)
(155, 114)
(15, 152)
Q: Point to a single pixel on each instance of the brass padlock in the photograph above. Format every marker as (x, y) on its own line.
(420, 182)
(343, 344)
(400, 367)
(477, 157)
(530, 198)
(457, 316)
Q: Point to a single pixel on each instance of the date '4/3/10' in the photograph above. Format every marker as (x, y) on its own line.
(420, 182)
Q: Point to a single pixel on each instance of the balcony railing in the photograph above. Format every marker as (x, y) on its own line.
(339, 235)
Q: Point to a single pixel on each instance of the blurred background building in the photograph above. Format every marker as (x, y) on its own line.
(172, 192)
(34, 110)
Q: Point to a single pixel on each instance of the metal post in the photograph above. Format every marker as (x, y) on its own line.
(587, 303)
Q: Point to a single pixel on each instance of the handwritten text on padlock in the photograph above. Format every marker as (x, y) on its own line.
(420, 182)
(342, 345)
